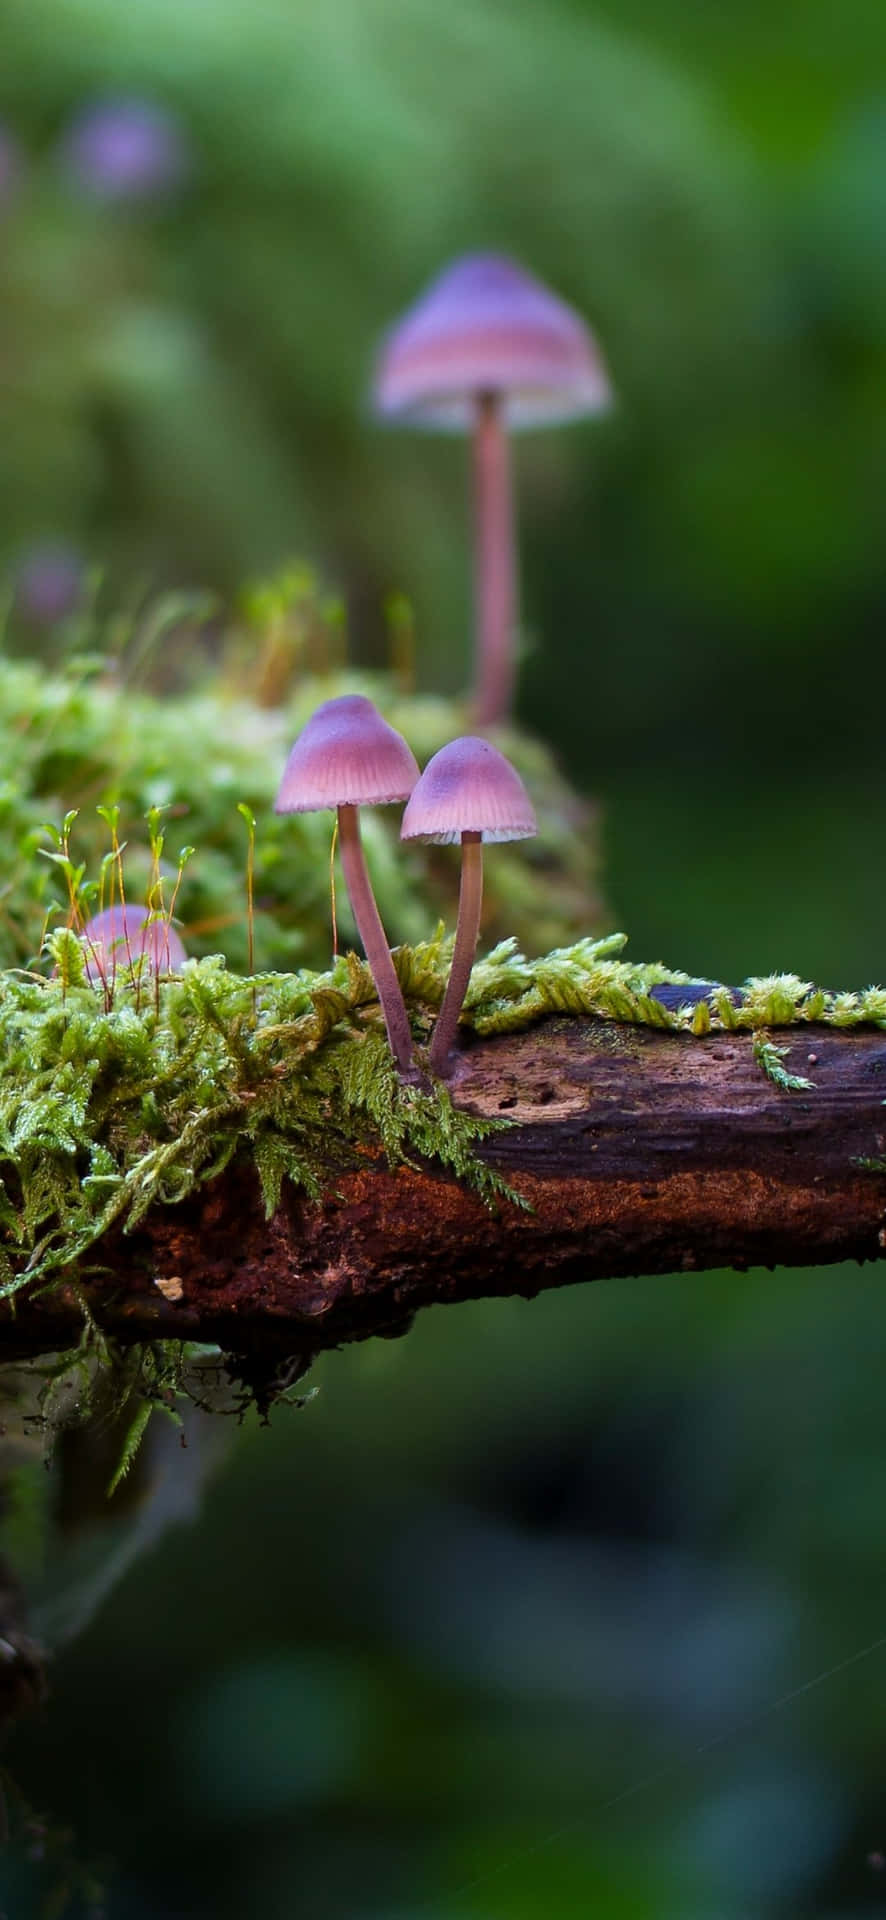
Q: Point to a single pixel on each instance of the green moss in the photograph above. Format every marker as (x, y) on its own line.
(107, 1110)
(116, 1101)
(111, 1104)
(771, 1058)
(81, 740)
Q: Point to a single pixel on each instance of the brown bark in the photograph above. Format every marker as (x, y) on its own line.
(638, 1151)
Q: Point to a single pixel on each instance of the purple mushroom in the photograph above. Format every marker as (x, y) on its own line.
(115, 940)
(125, 148)
(485, 348)
(49, 581)
(468, 792)
(348, 757)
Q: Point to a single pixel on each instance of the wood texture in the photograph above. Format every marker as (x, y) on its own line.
(636, 1150)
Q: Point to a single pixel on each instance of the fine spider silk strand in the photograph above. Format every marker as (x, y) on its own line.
(665, 1772)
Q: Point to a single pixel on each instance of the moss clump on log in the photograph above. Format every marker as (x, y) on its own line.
(115, 1108)
(81, 742)
(111, 1104)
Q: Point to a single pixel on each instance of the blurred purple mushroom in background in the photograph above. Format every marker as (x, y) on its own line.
(484, 349)
(125, 149)
(115, 940)
(49, 582)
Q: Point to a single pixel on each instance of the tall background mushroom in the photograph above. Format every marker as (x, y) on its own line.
(348, 757)
(484, 349)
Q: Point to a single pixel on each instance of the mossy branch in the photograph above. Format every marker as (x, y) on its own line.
(236, 1161)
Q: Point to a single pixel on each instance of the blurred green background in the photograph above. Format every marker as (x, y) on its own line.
(462, 1636)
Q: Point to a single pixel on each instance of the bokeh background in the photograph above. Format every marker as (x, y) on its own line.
(515, 1619)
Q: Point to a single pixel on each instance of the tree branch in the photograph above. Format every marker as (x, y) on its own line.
(634, 1151)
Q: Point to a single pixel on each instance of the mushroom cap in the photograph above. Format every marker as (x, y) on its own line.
(469, 787)
(119, 936)
(346, 755)
(485, 325)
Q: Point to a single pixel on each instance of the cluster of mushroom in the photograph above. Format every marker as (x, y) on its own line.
(485, 348)
(347, 756)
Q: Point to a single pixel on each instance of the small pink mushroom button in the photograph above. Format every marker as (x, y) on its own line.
(117, 939)
(348, 757)
(468, 792)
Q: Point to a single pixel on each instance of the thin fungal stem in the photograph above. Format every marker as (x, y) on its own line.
(332, 906)
(373, 936)
(495, 587)
(470, 901)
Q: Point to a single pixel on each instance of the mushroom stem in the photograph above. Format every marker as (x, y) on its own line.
(373, 936)
(494, 563)
(470, 900)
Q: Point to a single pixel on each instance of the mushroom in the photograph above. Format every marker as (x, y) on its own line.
(122, 935)
(468, 792)
(348, 757)
(487, 347)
